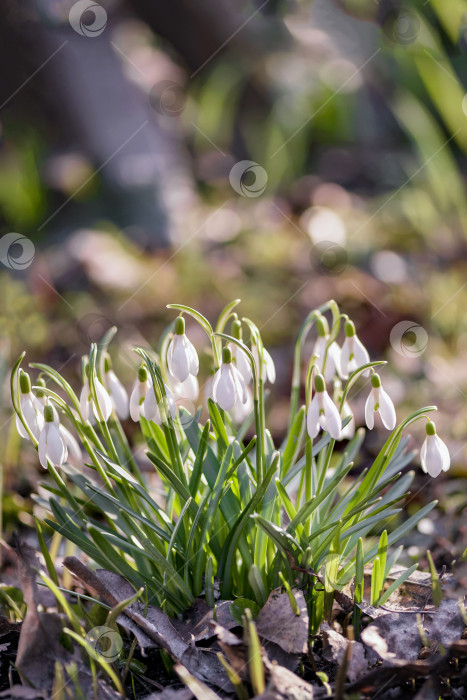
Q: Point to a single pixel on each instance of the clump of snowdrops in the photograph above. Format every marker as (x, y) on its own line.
(240, 514)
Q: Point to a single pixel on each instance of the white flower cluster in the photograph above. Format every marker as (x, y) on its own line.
(230, 388)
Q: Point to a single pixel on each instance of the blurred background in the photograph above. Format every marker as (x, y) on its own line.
(280, 152)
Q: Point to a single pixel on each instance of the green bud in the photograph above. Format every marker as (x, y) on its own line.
(48, 414)
(179, 325)
(322, 327)
(40, 383)
(320, 384)
(237, 329)
(226, 355)
(375, 380)
(430, 428)
(24, 383)
(349, 329)
(142, 374)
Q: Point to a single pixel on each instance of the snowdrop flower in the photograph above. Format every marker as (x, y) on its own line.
(269, 369)
(103, 399)
(52, 446)
(379, 401)
(434, 455)
(31, 409)
(353, 352)
(189, 389)
(333, 351)
(138, 394)
(182, 359)
(152, 406)
(322, 412)
(117, 391)
(229, 387)
(348, 431)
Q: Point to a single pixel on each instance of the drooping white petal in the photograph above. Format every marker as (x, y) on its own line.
(423, 452)
(42, 449)
(104, 401)
(242, 363)
(118, 394)
(330, 420)
(371, 401)
(270, 366)
(269, 369)
(224, 391)
(334, 357)
(192, 356)
(312, 417)
(386, 410)
(20, 428)
(189, 389)
(32, 415)
(74, 450)
(360, 353)
(56, 449)
(151, 407)
(242, 410)
(348, 432)
(137, 397)
(159, 411)
(446, 457)
(84, 401)
(345, 355)
(240, 385)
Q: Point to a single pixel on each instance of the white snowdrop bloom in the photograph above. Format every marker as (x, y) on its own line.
(353, 352)
(322, 412)
(434, 455)
(333, 363)
(52, 445)
(117, 391)
(103, 399)
(242, 410)
(182, 358)
(31, 409)
(380, 402)
(152, 407)
(74, 450)
(269, 369)
(138, 394)
(189, 389)
(348, 432)
(229, 386)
